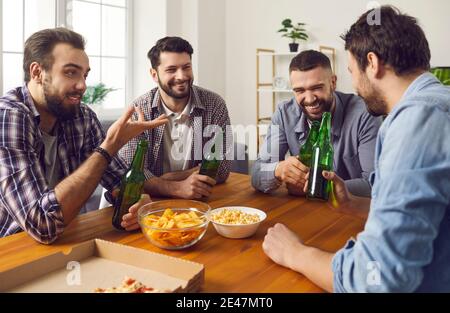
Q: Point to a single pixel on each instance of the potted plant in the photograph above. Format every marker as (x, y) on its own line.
(96, 94)
(295, 32)
(443, 74)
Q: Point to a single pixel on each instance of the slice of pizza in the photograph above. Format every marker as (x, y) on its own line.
(129, 285)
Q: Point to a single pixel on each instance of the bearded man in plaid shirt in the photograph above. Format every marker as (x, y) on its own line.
(53, 151)
(194, 114)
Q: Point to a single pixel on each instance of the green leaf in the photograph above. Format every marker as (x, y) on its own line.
(296, 32)
(96, 94)
(287, 23)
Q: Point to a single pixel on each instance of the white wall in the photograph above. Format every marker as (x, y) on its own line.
(252, 24)
(149, 25)
(202, 23)
(226, 33)
(182, 21)
(212, 68)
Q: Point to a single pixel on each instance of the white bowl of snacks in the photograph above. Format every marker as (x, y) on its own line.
(236, 222)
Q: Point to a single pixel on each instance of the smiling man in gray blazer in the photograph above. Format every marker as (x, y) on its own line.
(353, 131)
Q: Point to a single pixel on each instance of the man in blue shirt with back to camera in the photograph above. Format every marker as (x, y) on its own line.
(404, 245)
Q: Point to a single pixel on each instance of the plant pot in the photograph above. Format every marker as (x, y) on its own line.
(293, 47)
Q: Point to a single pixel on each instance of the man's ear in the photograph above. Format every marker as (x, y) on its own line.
(333, 82)
(375, 67)
(154, 75)
(36, 72)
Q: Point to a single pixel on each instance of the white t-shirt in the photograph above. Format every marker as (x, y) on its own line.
(177, 139)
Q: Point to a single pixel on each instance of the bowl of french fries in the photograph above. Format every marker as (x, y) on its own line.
(236, 222)
(174, 224)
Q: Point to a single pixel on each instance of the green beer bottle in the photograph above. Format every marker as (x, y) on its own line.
(131, 185)
(322, 159)
(210, 164)
(211, 161)
(305, 152)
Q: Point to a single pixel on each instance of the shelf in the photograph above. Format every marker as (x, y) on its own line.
(277, 53)
(274, 90)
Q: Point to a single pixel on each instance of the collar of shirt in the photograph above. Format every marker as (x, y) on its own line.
(28, 101)
(302, 126)
(421, 82)
(177, 117)
(418, 84)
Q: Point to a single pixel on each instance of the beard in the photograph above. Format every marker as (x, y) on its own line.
(55, 103)
(324, 105)
(170, 91)
(373, 97)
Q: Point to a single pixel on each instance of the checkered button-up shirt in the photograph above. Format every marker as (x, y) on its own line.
(207, 109)
(26, 201)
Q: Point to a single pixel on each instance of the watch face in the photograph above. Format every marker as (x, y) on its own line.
(279, 83)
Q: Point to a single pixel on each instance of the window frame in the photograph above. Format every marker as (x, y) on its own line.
(61, 9)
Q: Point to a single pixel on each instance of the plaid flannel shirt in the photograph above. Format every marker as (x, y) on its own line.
(207, 108)
(26, 202)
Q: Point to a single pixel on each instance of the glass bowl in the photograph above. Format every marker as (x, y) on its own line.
(174, 224)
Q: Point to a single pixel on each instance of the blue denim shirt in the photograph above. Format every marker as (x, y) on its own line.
(405, 246)
(353, 135)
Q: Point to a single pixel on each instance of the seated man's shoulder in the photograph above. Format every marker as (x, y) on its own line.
(287, 105)
(13, 103)
(423, 107)
(146, 98)
(435, 98)
(288, 109)
(208, 97)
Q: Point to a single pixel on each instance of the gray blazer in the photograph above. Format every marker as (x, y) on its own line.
(354, 132)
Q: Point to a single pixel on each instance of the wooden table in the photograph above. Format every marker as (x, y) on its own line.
(231, 265)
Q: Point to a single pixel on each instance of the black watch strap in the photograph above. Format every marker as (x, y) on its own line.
(104, 153)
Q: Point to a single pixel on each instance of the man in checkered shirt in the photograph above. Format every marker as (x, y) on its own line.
(196, 117)
(53, 151)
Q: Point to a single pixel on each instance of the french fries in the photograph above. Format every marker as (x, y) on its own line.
(178, 228)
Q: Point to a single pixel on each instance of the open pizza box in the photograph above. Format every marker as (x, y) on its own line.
(102, 264)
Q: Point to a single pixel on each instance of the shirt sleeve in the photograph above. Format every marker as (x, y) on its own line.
(222, 119)
(410, 200)
(272, 151)
(24, 193)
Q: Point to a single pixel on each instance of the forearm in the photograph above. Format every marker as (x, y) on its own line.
(179, 175)
(158, 186)
(74, 191)
(263, 176)
(315, 264)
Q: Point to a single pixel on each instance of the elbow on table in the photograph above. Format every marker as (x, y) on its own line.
(381, 279)
(45, 239)
(46, 234)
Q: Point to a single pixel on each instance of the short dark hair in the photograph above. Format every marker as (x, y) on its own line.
(39, 47)
(168, 44)
(397, 40)
(308, 60)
